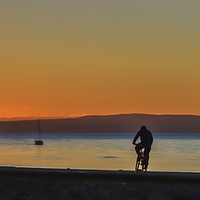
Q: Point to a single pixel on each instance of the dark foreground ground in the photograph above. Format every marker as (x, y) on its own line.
(51, 184)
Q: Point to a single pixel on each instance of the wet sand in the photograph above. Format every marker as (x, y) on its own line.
(52, 184)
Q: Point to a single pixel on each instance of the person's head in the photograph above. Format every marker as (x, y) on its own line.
(143, 128)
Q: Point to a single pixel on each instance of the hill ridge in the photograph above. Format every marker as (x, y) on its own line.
(120, 123)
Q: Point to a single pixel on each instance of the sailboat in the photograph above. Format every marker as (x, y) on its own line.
(39, 142)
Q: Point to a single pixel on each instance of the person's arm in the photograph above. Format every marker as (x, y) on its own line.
(151, 139)
(135, 138)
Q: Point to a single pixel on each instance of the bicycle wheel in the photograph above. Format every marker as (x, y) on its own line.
(144, 165)
(144, 169)
(137, 165)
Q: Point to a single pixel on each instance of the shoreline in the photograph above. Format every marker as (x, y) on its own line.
(129, 174)
(50, 184)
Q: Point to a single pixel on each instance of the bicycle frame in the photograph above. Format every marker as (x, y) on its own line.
(140, 165)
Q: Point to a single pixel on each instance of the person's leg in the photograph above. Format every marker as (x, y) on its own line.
(146, 156)
(138, 147)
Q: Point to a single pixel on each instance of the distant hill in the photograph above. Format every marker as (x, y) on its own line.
(124, 123)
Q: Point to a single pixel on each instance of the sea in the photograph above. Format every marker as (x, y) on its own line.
(170, 152)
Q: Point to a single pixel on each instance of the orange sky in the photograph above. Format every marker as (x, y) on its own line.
(73, 58)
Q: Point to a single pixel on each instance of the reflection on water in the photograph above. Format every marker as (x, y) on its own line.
(180, 154)
(170, 152)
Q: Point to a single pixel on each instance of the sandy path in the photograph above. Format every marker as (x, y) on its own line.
(51, 184)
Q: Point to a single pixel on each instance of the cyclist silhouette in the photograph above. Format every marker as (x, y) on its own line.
(146, 140)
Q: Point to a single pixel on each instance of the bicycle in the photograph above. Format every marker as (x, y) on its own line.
(140, 162)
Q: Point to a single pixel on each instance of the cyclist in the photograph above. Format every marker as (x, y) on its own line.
(146, 140)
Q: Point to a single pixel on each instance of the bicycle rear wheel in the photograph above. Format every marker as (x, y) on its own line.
(137, 165)
(144, 169)
(144, 165)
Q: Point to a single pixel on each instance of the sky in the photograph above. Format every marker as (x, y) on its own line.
(98, 57)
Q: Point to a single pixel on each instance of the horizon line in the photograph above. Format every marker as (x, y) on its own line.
(19, 118)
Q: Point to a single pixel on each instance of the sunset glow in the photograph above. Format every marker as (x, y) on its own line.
(74, 58)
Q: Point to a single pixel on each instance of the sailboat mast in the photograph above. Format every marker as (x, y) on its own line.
(39, 142)
(39, 129)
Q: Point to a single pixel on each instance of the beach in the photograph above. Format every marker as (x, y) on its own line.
(48, 183)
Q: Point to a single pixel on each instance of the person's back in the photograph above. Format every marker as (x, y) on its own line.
(146, 138)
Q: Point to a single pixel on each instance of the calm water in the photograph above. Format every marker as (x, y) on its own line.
(170, 152)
